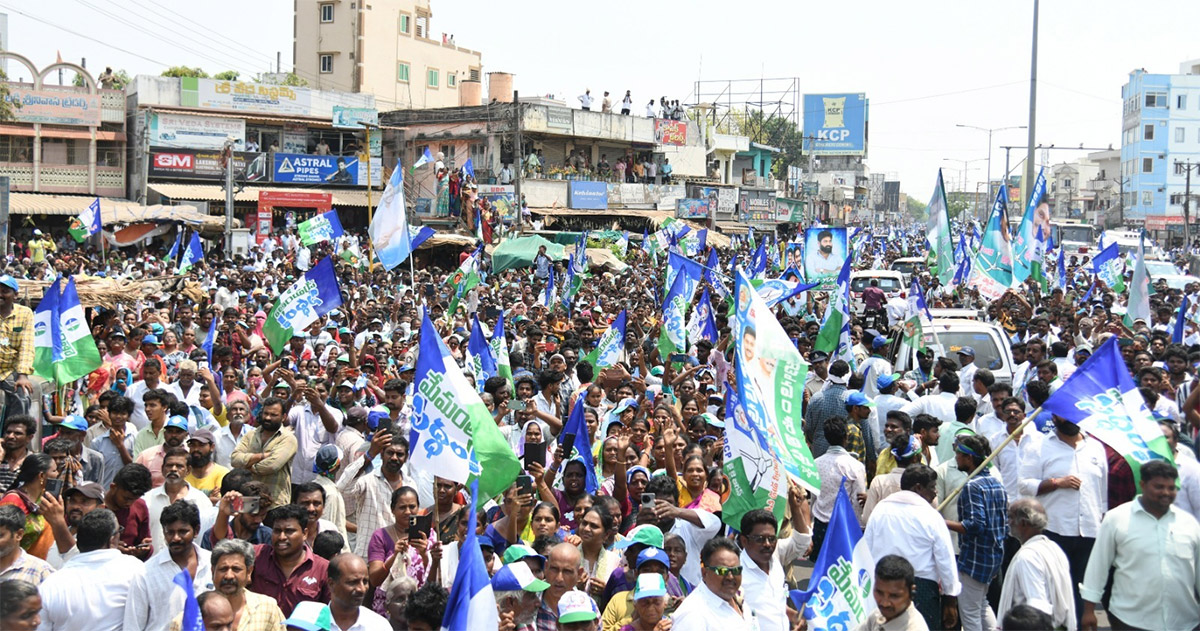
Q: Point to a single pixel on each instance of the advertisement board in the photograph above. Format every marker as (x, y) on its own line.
(558, 118)
(294, 138)
(669, 132)
(789, 210)
(204, 164)
(835, 124)
(268, 200)
(502, 198)
(299, 168)
(692, 208)
(825, 252)
(587, 195)
(195, 132)
(723, 199)
(756, 209)
(54, 108)
(350, 117)
(244, 96)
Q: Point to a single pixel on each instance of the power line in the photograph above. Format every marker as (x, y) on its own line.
(87, 37)
(192, 22)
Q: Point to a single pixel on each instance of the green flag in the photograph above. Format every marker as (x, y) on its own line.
(939, 233)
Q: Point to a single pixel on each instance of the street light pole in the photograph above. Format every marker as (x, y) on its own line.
(1027, 184)
(990, 131)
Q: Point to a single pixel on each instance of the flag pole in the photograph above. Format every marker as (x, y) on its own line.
(988, 460)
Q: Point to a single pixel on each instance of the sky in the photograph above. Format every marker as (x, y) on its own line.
(925, 65)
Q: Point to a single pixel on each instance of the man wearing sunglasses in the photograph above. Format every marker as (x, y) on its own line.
(765, 556)
(714, 604)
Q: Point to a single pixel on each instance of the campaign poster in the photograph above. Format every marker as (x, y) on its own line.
(824, 254)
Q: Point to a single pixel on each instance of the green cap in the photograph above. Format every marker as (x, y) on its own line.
(646, 534)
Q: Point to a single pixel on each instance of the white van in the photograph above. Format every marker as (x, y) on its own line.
(890, 281)
(947, 335)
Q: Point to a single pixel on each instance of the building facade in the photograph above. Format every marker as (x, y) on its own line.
(1160, 136)
(386, 48)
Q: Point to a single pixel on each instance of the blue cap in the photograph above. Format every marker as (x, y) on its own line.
(854, 397)
(885, 381)
(157, 329)
(75, 422)
(653, 554)
(178, 422)
(966, 350)
(10, 282)
(150, 339)
(485, 541)
(879, 342)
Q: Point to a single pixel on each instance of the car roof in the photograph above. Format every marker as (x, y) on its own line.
(909, 259)
(891, 273)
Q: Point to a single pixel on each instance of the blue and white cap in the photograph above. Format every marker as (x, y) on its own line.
(518, 576)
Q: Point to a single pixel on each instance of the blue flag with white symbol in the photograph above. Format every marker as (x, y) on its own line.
(479, 355)
(471, 604)
(191, 609)
(577, 426)
(192, 255)
(839, 594)
(1102, 398)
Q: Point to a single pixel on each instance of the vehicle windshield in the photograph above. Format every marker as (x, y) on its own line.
(887, 284)
(986, 353)
(1161, 268)
(904, 267)
(1082, 234)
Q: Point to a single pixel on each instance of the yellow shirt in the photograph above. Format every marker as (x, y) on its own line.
(208, 483)
(16, 342)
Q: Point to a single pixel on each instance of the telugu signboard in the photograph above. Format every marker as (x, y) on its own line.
(299, 168)
(195, 132)
(669, 132)
(204, 164)
(244, 96)
(54, 108)
(835, 124)
(723, 199)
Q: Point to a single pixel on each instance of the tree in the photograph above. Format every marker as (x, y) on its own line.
(774, 131)
(917, 208)
(956, 206)
(184, 71)
(290, 79)
(228, 75)
(8, 109)
(120, 80)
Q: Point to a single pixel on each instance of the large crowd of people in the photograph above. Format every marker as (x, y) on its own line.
(280, 483)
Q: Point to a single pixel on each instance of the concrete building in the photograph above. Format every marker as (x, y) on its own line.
(64, 139)
(1160, 136)
(296, 151)
(387, 48)
(1067, 190)
(844, 183)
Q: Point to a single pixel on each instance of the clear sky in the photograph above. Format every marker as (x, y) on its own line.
(925, 65)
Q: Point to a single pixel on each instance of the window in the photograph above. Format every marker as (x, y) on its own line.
(1147, 165)
(473, 74)
(451, 80)
(405, 24)
(1180, 135)
(1177, 199)
(1156, 99)
(326, 64)
(327, 12)
(1148, 132)
(1067, 183)
(1181, 102)
(1147, 198)
(402, 71)
(431, 77)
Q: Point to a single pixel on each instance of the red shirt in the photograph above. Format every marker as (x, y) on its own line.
(307, 582)
(873, 297)
(136, 522)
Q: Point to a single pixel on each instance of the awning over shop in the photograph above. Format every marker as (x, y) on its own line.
(657, 217)
(59, 132)
(729, 227)
(112, 211)
(249, 117)
(215, 193)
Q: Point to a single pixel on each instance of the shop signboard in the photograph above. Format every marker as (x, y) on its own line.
(204, 164)
(53, 108)
(558, 118)
(758, 210)
(295, 138)
(669, 132)
(789, 210)
(586, 195)
(269, 200)
(298, 168)
(351, 117)
(244, 96)
(692, 208)
(502, 197)
(724, 199)
(835, 124)
(195, 132)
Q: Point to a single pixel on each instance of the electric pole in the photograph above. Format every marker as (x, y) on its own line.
(1027, 184)
(519, 173)
(228, 154)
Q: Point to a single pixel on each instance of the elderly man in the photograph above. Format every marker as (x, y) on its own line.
(232, 565)
(564, 570)
(215, 611)
(173, 489)
(714, 605)
(348, 585)
(104, 570)
(154, 598)
(518, 594)
(1039, 575)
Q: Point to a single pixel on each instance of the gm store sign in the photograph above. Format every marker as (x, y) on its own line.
(835, 124)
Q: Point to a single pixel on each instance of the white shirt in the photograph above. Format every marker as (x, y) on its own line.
(703, 610)
(885, 403)
(694, 539)
(585, 100)
(1009, 459)
(1040, 576)
(107, 573)
(832, 466)
(154, 598)
(311, 435)
(905, 524)
(1188, 497)
(367, 621)
(940, 405)
(966, 379)
(1072, 513)
(156, 500)
(1157, 567)
(766, 593)
(872, 369)
(135, 392)
(226, 441)
(303, 259)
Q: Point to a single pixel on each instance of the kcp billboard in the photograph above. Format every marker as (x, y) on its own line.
(835, 124)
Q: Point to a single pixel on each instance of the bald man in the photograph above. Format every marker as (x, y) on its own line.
(215, 611)
(348, 585)
(564, 571)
